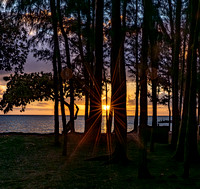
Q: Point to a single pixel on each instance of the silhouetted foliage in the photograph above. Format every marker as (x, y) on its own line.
(26, 88)
(23, 89)
(13, 43)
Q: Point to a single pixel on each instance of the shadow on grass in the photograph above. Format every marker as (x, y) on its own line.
(32, 161)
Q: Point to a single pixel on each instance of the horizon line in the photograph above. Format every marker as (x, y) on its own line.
(68, 115)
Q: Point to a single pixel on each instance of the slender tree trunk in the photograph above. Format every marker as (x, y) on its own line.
(191, 152)
(87, 70)
(172, 46)
(107, 126)
(198, 108)
(95, 94)
(199, 88)
(136, 75)
(56, 116)
(57, 52)
(99, 63)
(86, 109)
(199, 93)
(118, 84)
(154, 68)
(169, 109)
(179, 155)
(89, 59)
(68, 61)
(175, 72)
(55, 71)
(171, 27)
(92, 62)
(143, 171)
(154, 99)
(72, 105)
(183, 71)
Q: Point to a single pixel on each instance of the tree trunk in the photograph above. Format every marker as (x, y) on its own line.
(56, 116)
(98, 63)
(68, 61)
(92, 61)
(198, 108)
(199, 94)
(175, 72)
(57, 52)
(89, 59)
(179, 155)
(183, 70)
(199, 88)
(143, 171)
(169, 109)
(55, 71)
(191, 152)
(88, 71)
(118, 84)
(154, 77)
(95, 118)
(136, 75)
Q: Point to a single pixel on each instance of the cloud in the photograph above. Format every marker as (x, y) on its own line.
(104, 100)
(131, 99)
(2, 75)
(43, 104)
(2, 90)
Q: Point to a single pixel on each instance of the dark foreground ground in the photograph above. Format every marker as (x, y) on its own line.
(32, 161)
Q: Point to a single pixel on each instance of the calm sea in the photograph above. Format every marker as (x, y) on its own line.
(45, 123)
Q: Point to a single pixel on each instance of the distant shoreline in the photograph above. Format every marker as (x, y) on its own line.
(69, 115)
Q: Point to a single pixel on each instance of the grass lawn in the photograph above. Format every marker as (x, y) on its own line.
(32, 161)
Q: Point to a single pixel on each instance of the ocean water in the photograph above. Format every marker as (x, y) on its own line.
(45, 123)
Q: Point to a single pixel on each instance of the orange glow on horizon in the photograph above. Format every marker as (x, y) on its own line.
(47, 107)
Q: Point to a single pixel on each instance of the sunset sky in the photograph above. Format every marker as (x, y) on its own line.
(47, 108)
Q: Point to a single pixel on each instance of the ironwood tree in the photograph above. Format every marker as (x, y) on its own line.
(95, 115)
(118, 84)
(68, 62)
(175, 72)
(190, 151)
(13, 42)
(143, 171)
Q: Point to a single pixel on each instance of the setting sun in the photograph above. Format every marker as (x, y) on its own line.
(106, 107)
